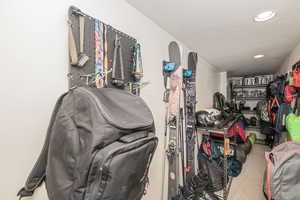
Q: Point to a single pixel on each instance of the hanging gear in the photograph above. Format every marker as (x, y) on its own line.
(280, 118)
(296, 75)
(262, 111)
(99, 53)
(72, 46)
(83, 58)
(289, 94)
(105, 64)
(118, 82)
(219, 101)
(137, 72)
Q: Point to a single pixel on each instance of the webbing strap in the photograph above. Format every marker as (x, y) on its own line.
(98, 53)
(105, 64)
(83, 58)
(118, 49)
(81, 29)
(72, 47)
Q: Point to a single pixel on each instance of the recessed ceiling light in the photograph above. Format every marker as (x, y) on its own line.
(265, 16)
(259, 56)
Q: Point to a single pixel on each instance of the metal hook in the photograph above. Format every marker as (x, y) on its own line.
(139, 85)
(93, 75)
(87, 78)
(143, 84)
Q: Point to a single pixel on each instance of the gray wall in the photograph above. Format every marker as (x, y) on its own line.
(33, 48)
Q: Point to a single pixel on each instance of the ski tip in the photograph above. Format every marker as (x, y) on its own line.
(174, 53)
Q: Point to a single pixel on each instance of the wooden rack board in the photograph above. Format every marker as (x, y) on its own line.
(127, 42)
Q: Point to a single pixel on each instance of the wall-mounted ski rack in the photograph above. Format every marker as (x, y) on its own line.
(78, 75)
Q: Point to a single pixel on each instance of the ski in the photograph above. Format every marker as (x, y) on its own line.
(189, 92)
(172, 82)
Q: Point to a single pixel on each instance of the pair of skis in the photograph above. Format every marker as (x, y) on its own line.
(179, 136)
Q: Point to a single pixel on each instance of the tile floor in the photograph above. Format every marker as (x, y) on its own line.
(248, 185)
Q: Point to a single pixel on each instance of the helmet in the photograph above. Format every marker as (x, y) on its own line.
(201, 118)
(208, 117)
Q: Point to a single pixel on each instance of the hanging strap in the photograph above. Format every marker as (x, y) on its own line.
(72, 46)
(38, 173)
(98, 53)
(119, 82)
(105, 41)
(83, 58)
(81, 29)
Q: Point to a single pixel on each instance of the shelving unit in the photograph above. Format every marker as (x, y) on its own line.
(249, 86)
(250, 98)
(249, 112)
(227, 179)
(250, 89)
(253, 128)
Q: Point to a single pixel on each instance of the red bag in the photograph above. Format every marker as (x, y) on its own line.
(237, 128)
(289, 94)
(296, 77)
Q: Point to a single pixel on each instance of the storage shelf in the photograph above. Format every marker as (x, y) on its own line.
(249, 86)
(253, 128)
(250, 98)
(252, 112)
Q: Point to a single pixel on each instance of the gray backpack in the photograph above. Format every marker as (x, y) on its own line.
(99, 145)
(282, 175)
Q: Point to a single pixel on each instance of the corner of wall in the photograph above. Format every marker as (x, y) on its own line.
(223, 83)
(291, 59)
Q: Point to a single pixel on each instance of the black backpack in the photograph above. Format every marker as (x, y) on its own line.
(99, 145)
(218, 101)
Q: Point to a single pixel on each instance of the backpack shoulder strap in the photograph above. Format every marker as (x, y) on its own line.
(38, 173)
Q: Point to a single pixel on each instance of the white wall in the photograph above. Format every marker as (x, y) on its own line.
(34, 64)
(223, 83)
(208, 82)
(290, 60)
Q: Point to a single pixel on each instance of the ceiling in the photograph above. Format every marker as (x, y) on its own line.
(224, 32)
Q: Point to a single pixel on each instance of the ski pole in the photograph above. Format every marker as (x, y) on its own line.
(182, 147)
